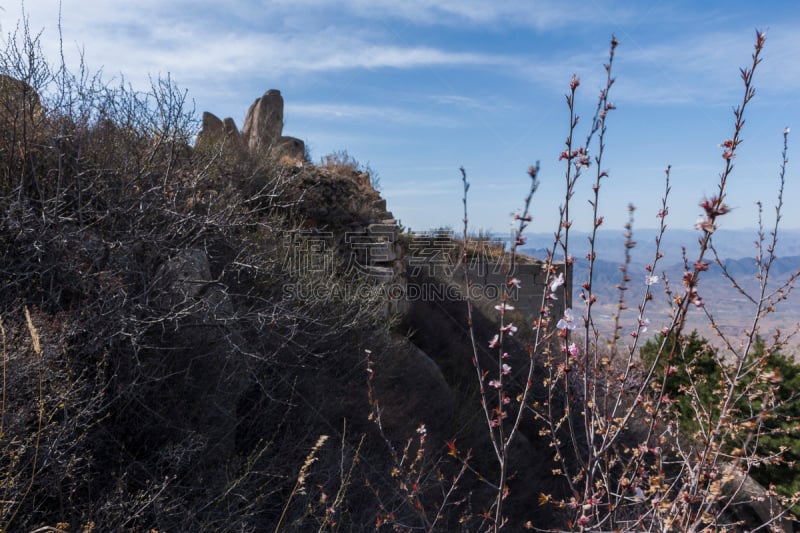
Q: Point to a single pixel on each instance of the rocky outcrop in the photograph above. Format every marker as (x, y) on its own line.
(215, 132)
(290, 147)
(262, 131)
(410, 388)
(18, 98)
(20, 115)
(212, 130)
(263, 128)
(751, 505)
(264, 122)
(231, 131)
(213, 376)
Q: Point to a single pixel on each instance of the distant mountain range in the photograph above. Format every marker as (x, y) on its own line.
(736, 250)
(736, 244)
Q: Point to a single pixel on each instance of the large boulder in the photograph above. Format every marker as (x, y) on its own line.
(20, 112)
(231, 131)
(411, 390)
(207, 375)
(17, 99)
(264, 122)
(211, 131)
(215, 131)
(290, 147)
(261, 133)
(751, 505)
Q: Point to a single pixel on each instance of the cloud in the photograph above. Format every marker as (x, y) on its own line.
(204, 41)
(373, 114)
(539, 15)
(149, 37)
(463, 102)
(699, 69)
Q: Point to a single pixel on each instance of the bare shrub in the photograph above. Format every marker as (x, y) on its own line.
(611, 426)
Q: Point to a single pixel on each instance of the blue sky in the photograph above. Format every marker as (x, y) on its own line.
(417, 88)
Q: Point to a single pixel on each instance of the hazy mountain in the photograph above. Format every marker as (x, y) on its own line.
(736, 250)
(610, 244)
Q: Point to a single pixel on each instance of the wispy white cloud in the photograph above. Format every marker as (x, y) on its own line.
(197, 47)
(537, 14)
(372, 114)
(702, 69)
(463, 102)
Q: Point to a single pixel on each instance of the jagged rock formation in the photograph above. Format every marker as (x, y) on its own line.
(215, 132)
(337, 196)
(262, 130)
(263, 124)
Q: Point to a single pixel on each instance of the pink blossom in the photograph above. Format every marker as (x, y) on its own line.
(573, 349)
(495, 384)
(643, 325)
(504, 307)
(705, 224)
(651, 280)
(495, 342)
(506, 369)
(514, 282)
(510, 329)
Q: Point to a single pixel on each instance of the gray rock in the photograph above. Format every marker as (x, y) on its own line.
(189, 289)
(290, 147)
(411, 389)
(211, 130)
(264, 122)
(231, 131)
(751, 504)
(215, 131)
(20, 109)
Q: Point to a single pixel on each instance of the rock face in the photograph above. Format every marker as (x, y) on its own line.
(290, 147)
(215, 131)
(411, 387)
(752, 505)
(231, 131)
(20, 112)
(213, 376)
(17, 97)
(264, 122)
(212, 130)
(262, 131)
